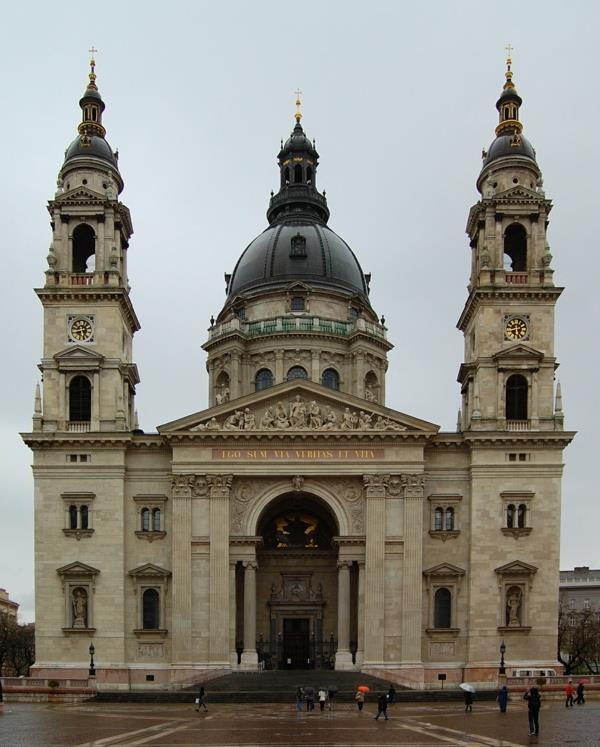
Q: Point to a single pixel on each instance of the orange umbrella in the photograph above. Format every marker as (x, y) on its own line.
(363, 688)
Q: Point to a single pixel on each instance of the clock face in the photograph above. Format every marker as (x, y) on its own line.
(516, 328)
(81, 330)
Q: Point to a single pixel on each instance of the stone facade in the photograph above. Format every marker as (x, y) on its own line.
(298, 520)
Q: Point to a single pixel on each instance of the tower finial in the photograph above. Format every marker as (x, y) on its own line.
(92, 84)
(298, 113)
(508, 74)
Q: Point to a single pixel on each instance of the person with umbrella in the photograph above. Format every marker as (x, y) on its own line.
(331, 691)
(580, 699)
(382, 704)
(569, 692)
(309, 696)
(360, 696)
(468, 692)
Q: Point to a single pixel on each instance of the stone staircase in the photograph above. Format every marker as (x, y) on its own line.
(280, 687)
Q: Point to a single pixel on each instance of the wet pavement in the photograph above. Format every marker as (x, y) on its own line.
(414, 725)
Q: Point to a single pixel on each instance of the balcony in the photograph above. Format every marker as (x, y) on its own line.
(86, 278)
(291, 325)
(517, 278)
(78, 426)
(517, 425)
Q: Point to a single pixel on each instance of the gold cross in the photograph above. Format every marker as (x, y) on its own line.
(298, 93)
(509, 50)
(92, 50)
(298, 114)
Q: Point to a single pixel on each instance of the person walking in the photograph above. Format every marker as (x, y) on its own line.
(569, 692)
(200, 698)
(322, 699)
(468, 695)
(299, 699)
(360, 699)
(502, 698)
(580, 699)
(534, 702)
(331, 695)
(382, 704)
(392, 694)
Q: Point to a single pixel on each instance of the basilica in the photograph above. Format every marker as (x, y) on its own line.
(298, 522)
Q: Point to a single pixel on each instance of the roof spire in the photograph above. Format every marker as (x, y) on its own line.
(508, 105)
(92, 105)
(298, 114)
(508, 73)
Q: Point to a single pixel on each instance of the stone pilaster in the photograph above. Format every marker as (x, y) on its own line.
(375, 493)
(413, 489)
(181, 487)
(232, 614)
(343, 657)
(219, 487)
(249, 655)
(360, 633)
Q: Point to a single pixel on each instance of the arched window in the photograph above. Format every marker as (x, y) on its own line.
(449, 520)
(298, 174)
(442, 609)
(515, 248)
(72, 517)
(84, 247)
(331, 379)
(371, 387)
(83, 512)
(510, 516)
(516, 397)
(286, 175)
(80, 399)
(145, 520)
(309, 174)
(297, 372)
(150, 610)
(522, 516)
(438, 519)
(263, 379)
(156, 520)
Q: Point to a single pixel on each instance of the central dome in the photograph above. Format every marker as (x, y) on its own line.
(303, 250)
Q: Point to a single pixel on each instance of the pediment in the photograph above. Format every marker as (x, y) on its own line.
(519, 193)
(77, 569)
(298, 287)
(78, 352)
(149, 570)
(298, 406)
(80, 194)
(516, 568)
(444, 570)
(519, 353)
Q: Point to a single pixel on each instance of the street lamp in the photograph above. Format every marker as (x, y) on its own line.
(92, 670)
(502, 669)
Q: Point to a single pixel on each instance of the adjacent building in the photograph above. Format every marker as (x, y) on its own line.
(298, 520)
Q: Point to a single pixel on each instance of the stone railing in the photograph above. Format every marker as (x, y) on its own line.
(26, 683)
(296, 324)
(517, 278)
(86, 278)
(78, 426)
(517, 425)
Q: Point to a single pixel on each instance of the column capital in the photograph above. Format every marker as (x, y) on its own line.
(376, 485)
(250, 565)
(187, 486)
(413, 484)
(219, 486)
(344, 565)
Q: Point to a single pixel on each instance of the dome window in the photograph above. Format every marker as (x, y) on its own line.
(309, 175)
(298, 246)
(298, 303)
(331, 379)
(297, 372)
(286, 175)
(263, 379)
(298, 174)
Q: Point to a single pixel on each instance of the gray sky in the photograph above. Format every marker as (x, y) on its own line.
(400, 98)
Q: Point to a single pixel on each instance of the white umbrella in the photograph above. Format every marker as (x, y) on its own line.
(467, 687)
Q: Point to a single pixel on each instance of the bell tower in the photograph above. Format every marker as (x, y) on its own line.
(507, 377)
(88, 375)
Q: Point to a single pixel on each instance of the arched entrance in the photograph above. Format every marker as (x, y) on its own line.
(297, 583)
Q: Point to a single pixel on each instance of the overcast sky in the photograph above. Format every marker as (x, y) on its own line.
(400, 97)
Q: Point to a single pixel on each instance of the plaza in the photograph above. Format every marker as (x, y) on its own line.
(226, 725)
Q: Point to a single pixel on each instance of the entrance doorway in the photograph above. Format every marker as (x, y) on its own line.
(296, 643)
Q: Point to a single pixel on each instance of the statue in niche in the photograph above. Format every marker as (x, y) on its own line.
(222, 395)
(79, 605)
(513, 607)
(298, 413)
(369, 393)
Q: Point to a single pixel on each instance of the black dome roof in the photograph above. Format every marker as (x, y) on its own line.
(303, 250)
(98, 148)
(503, 147)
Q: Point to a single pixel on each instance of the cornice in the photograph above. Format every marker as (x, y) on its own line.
(299, 335)
(243, 438)
(506, 199)
(555, 439)
(90, 293)
(497, 293)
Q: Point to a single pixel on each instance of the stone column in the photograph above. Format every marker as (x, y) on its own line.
(413, 485)
(533, 409)
(234, 383)
(375, 493)
(218, 489)
(360, 633)
(314, 372)
(343, 657)
(182, 568)
(249, 655)
(278, 366)
(232, 614)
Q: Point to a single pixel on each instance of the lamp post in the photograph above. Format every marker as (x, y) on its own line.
(92, 670)
(502, 669)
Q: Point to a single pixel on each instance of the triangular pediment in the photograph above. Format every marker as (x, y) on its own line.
(77, 352)
(149, 570)
(519, 353)
(519, 193)
(77, 569)
(516, 568)
(80, 194)
(299, 406)
(444, 570)
(298, 286)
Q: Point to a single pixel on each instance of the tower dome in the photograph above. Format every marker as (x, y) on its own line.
(298, 245)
